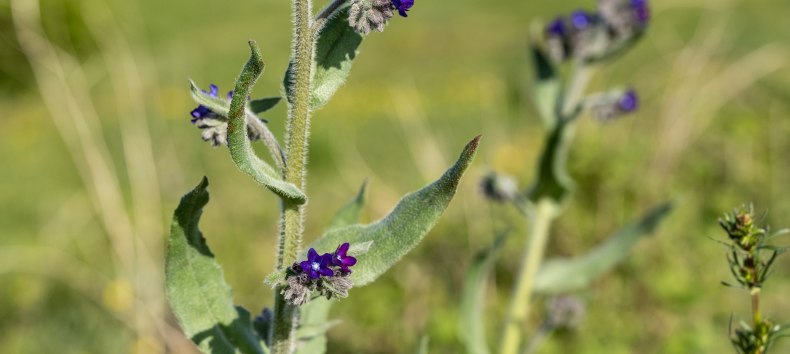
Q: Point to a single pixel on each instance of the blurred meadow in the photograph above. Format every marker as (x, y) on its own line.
(96, 149)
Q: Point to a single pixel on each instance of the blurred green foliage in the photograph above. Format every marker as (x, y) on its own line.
(712, 134)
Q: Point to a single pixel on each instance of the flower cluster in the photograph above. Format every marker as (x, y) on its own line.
(367, 15)
(214, 123)
(591, 36)
(327, 274)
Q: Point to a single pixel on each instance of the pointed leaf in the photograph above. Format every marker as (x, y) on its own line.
(349, 214)
(196, 288)
(241, 150)
(337, 46)
(404, 227)
(471, 325)
(564, 275)
(263, 104)
(547, 86)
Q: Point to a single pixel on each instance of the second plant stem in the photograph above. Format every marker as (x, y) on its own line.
(292, 228)
(541, 215)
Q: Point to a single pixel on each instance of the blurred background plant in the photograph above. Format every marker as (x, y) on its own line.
(80, 237)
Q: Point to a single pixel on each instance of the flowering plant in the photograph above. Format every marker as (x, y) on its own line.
(586, 40)
(305, 283)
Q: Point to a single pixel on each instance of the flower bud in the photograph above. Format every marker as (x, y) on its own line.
(613, 105)
(367, 15)
(565, 312)
(499, 188)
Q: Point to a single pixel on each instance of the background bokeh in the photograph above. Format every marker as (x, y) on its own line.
(96, 149)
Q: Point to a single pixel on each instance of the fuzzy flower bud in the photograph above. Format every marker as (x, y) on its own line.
(625, 18)
(297, 292)
(499, 188)
(610, 106)
(214, 125)
(367, 15)
(565, 312)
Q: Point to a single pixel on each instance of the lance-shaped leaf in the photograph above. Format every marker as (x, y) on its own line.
(471, 325)
(337, 46)
(547, 86)
(564, 275)
(196, 288)
(349, 213)
(553, 181)
(240, 147)
(403, 228)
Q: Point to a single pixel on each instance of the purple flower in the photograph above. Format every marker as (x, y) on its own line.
(202, 111)
(641, 11)
(403, 6)
(342, 259)
(315, 266)
(629, 102)
(556, 27)
(581, 19)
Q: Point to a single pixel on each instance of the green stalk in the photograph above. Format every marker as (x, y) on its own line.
(292, 225)
(541, 216)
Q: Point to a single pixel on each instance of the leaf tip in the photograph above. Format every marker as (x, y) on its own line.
(471, 147)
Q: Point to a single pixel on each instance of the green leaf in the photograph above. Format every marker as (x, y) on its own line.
(349, 213)
(241, 150)
(471, 325)
(313, 324)
(261, 105)
(404, 227)
(547, 86)
(196, 288)
(336, 48)
(553, 181)
(564, 275)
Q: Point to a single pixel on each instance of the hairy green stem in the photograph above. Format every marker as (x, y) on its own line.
(541, 216)
(292, 226)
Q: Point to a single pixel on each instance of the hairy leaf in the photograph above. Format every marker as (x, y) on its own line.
(563, 275)
(403, 228)
(336, 48)
(471, 325)
(196, 288)
(349, 213)
(241, 150)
